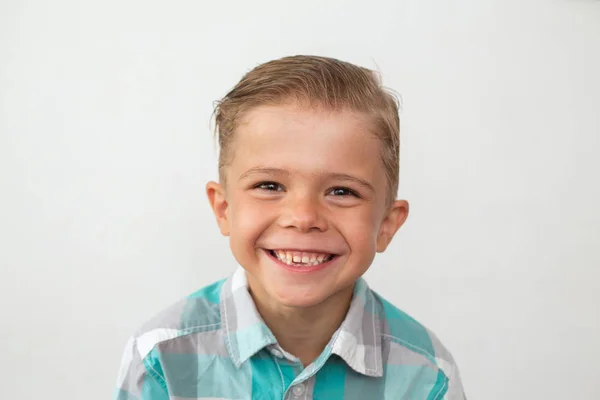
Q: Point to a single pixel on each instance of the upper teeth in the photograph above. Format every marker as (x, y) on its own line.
(300, 257)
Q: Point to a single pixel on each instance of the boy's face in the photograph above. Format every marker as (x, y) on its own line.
(304, 202)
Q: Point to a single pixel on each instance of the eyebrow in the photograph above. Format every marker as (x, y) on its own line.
(330, 175)
(350, 178)
(264, 170)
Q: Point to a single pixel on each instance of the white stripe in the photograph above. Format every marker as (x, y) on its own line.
(347, 342)
(444, 366)
(125, 363)
(239, 280)
(148, 340)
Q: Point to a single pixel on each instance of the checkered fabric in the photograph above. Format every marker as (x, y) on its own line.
(214, 345)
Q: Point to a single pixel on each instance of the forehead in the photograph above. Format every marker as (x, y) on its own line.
(308, 140)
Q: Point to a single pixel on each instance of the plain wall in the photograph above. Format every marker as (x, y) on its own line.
(105, 148)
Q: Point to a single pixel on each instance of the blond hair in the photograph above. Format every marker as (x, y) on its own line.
(316, 82)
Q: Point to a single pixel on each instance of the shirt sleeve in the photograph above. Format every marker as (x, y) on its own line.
(455, 388)
(138, 379)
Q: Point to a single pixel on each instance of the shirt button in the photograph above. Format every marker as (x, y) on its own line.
(277, 353)
(298, 390)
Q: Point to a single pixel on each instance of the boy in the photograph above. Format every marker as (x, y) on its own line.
(308, 175)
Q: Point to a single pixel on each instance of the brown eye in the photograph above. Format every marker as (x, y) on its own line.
(342, 191)
(270, 187)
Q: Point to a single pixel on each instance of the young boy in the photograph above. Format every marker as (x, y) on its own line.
(308, 166)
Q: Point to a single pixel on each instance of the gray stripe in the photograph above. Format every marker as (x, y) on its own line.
(208, 343)
(397, 354)
(362, 322)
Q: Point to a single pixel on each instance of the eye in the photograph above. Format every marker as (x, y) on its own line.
(342, 192)
(269, 187)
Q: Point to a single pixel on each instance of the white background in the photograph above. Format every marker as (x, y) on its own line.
(105, 147)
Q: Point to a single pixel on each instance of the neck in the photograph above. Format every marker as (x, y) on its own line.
(303, 331)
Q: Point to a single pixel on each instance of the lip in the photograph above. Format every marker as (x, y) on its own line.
(302, 270)
(313, 250)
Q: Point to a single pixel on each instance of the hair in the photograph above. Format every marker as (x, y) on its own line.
(319, 82)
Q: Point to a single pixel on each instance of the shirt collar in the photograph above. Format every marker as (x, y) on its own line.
(245, 331)
(357, 341)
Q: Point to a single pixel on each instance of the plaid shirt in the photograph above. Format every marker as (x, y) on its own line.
(214, 345)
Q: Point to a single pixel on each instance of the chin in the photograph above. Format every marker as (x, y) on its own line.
(299, 299)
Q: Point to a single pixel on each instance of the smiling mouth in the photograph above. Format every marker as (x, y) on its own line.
(301, 258)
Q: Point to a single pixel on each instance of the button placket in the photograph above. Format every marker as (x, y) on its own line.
(298, 390)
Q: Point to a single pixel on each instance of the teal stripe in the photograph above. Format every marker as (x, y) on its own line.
(153, 365)
(266, 378)
(211, 293)
(205, 375)
(207, 300)
(360, 387)
(154, 386)
(409, 381)
(330, 380)
(413, 334)
(437, 393)
(193, 321)
(288, 374)
(154, 390)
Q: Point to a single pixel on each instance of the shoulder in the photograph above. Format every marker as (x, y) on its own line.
(198, 312)
(405, 341)
(403, 330)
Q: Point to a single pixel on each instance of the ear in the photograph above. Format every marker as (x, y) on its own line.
(393, 220)
(218, 202)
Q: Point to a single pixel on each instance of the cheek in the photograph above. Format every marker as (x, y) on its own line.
(361, 231)
(248, 220)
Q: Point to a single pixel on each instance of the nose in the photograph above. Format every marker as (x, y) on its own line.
(303, 212)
